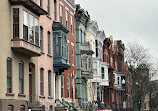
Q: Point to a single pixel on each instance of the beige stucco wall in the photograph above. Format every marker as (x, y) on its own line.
(6, 51)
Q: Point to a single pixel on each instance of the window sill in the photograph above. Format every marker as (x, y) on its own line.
(10, 94)
(50, 97)
(49, 55)
(42, 52)
(21, 95)
(49, 16)
(41, 96)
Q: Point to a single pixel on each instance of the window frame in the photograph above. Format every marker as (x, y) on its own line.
(61, 14)
(41, 81)
(72, 54)
(48, 7)
(62, 86)
(55, 10)
(49, 43)
(22, 78)
(16, 23)
(68, 86)
(22, 106)
(49, 83)
(41, 38)
(71, 24)
(67, 18)
(11, 106)
(9, 76)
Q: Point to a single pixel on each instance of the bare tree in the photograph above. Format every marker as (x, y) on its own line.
(142, 68)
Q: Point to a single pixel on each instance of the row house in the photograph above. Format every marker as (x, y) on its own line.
(83, 57)
(64, 54)
(27, 59)
(118, 93)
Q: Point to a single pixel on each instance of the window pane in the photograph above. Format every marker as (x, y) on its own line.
(10, 108)
(49, 83)
(41, 81)
(31, 27)
(36, 32)
(15, 23)
(9, 75)
(25, 25)
(49, 43)
(22, 108)
(55, 10)
(61, 13)
(21, 74)
(41, 38)
(48, 5)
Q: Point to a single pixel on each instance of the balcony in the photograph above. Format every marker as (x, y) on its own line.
(60, 48)
(25, 47)
(86, 49)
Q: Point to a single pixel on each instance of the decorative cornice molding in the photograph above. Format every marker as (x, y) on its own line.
(70, 4)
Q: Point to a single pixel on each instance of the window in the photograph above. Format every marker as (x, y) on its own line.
(73, 86)
(62, 86)
(48, 7)
(61, 14)
(68, 87)
(31, 29)
(72, 24)
(102, 72)
(72, 49)
(41, 38)
(15, 23)
(50, 108)
(84, 62)
(118, 81)
(41, 81)
(68, 52)
(40, 3)
(96, 45)
(48, 43)
(9, 75)
(36, 32)
(25, 26)
(81, 36)
(22, 108)
(66, 19)
(95, 68)
(63, 45)
(49, 83)
(21, 78)
(10, 108)
(55, 12)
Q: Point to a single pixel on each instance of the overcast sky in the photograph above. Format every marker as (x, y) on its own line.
(127, 20)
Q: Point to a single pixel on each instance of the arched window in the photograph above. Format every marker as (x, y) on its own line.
(41, 82)
(21, 77)
(49, 83)
(22, 108)
(10, 108)
(50, 108)
(9, 75)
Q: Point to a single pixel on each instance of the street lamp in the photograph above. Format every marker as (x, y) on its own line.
(124, 101)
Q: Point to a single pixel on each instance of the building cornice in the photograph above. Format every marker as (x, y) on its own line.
(70, 4)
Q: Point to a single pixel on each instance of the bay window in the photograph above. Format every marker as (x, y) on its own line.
(31, 29)
(25, 26)
(15, 23)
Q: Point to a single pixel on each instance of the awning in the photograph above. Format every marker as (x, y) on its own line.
(30, 5)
